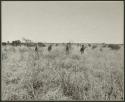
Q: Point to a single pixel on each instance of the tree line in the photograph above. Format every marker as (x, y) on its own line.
(26, 42)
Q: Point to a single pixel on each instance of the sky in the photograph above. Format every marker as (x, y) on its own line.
(63, 21)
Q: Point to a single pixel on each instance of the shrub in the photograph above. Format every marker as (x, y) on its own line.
(94, 46)
(114, 46)
(56, 44)
(41, 44)
(89, 45)
(104, 45)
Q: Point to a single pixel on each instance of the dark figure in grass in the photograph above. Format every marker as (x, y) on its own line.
(67, 49)
(82, 49)
(50, 48)
(36, 48)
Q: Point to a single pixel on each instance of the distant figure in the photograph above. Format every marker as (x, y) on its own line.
(37, 53)
(36, 48)
(82, 49)
(67, 49)
(50, 48)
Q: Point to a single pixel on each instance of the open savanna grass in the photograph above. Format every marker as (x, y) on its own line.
(98, 74)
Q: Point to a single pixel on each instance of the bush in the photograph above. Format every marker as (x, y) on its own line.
(114, 46)
(89, 45)
(104, 45)
(41, 44)
(56, 44)
(94, 46)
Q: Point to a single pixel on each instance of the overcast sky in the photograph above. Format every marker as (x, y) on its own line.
(63, 21)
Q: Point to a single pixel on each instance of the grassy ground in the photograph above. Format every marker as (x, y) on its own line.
(98, 74)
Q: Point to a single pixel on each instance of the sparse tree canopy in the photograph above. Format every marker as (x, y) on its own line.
(16, 43)
(4, 43)
(28, 42)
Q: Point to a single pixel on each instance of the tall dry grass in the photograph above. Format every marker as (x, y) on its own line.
(95, 75)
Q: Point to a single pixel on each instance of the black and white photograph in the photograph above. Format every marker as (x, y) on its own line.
(62, 50)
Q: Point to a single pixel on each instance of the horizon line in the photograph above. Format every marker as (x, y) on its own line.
(65, 42)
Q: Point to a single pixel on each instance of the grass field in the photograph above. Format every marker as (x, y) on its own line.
(98, 74)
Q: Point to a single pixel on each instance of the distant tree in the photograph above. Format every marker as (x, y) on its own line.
(4, 43)
(16, 43)
(28, 42)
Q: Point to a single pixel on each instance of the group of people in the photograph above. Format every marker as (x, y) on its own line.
(67, 48)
